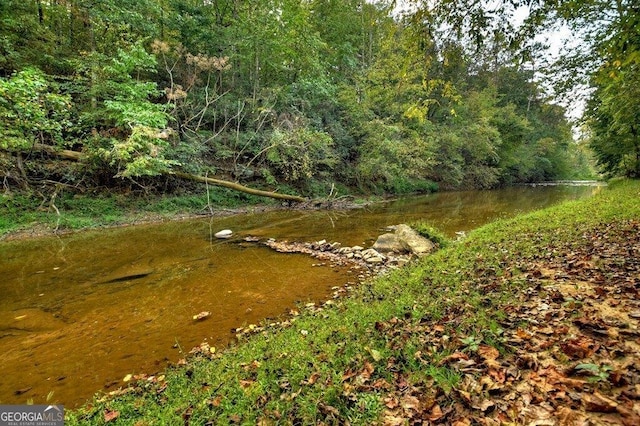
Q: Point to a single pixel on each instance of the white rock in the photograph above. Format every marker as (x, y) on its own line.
(370, 253)
(225, 233)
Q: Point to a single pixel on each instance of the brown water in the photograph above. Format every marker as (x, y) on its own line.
(70, 325)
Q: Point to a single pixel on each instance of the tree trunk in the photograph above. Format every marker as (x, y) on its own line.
(77, 156)
(62, 153)
(238, 187)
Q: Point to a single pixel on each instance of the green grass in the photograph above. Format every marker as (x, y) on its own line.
(331, 365)
(431, 233)
(81, 211)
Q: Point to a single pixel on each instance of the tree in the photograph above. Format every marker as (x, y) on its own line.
(32, 111)
(123, 104)
(614, 108)
(614, 117)
(607, 60)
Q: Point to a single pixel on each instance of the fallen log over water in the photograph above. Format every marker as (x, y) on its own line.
(238, 187)
(78, 156)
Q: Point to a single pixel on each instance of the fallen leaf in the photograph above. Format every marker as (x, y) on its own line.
(312, 379)
(391, 402)
(375, 354)
(488, 352)
(214, 402)
(328, 410)
(483, 405)
(348, 375)
(465, 395)
(366, 372)
(599, 403)
(244, 384)
(453, 357)
(568, 417)
(435, 413)
(410, 402)
(499, 375)
(110, 415)
(581, 347)
(522, 334)
(391, 419)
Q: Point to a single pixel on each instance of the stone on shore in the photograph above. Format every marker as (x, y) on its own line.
(388, 243)
(225, 233)
(404, 239)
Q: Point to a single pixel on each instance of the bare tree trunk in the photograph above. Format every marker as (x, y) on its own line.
(238, 187)
(62, 153)
(40, 13)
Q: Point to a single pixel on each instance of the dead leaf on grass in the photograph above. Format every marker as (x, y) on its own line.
(110, 415)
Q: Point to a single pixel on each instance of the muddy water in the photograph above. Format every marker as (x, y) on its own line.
(79, 312)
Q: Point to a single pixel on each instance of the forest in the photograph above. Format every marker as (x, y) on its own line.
(309, 97)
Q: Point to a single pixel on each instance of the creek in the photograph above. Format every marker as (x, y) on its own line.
(81, 311)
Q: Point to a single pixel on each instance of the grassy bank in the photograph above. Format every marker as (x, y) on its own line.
(33, 214)
(502, 326)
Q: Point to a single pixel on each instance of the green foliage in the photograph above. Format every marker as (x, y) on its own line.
(393, 156)
(300, 153)
(403, 185)
(31, 110)
(22, 211)
(472, 343)
(17, 211)
(598, 373)
(614, 113)
(476, 141)
(142, 153)
(124, 99)
(604, 69)
(127, 108)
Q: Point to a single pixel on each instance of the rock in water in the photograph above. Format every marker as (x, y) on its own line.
(389, 243)
(225, 233)
(414, 242)
(404, 240)
(201, 316)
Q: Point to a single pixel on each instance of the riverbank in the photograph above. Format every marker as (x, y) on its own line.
(528, 319)
(25, 216)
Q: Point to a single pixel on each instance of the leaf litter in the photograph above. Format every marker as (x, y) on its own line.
(568, 352)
